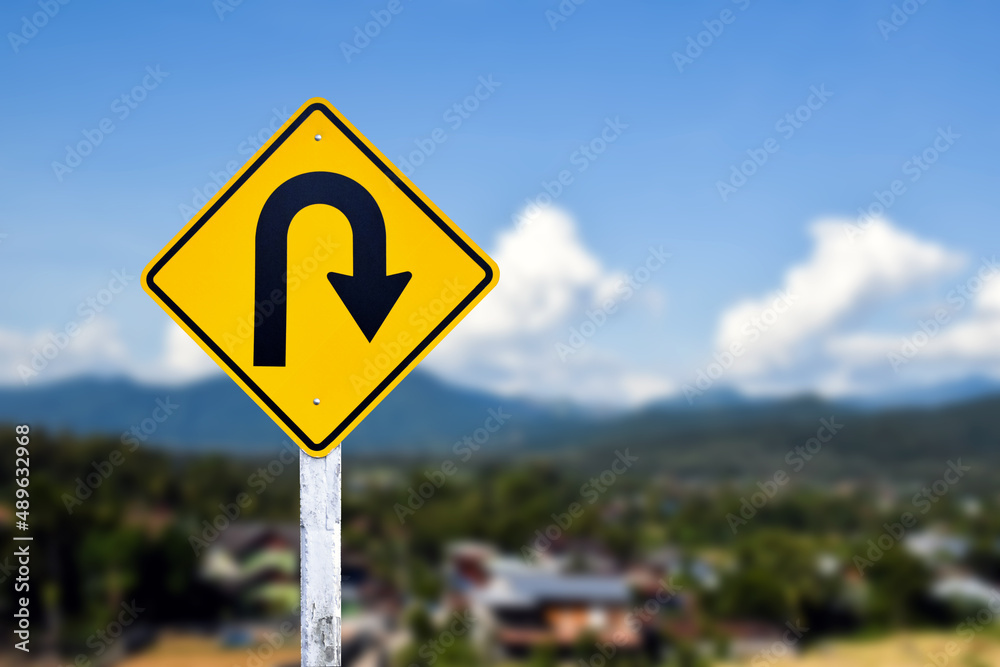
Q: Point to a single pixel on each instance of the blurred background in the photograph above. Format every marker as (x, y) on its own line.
(735, 400)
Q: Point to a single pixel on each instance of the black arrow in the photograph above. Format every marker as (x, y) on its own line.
(369, 294)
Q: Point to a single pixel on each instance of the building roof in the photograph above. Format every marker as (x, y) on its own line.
(523, 589)
(931, 544)
(967, 588)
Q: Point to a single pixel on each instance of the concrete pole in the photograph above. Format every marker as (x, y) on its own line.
(319, 519)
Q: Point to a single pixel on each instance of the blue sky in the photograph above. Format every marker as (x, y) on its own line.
(224, 73)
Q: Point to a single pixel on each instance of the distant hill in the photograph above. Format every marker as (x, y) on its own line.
(936, 395)
(723, 436)
(751, 442)
(422, 413)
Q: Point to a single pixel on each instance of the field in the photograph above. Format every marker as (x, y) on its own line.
(909, 650)
(187, 651)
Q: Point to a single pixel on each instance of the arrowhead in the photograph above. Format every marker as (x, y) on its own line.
(369, 298)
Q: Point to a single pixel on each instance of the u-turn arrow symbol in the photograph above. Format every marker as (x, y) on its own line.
(369, 294)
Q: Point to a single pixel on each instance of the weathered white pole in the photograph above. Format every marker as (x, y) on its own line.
(319, 519)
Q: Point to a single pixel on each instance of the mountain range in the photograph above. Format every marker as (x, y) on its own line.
(422, 416)
(215, 414)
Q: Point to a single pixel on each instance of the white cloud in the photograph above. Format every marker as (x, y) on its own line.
(182, 360)
(96, 348)
(803, 341)
(548, 279)
(93, 347)
(954, 337)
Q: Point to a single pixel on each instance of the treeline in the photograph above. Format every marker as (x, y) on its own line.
(114, 524)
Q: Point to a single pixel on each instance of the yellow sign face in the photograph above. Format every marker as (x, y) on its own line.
(318, 277)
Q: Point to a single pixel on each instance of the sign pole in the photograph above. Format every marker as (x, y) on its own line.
(319, 520)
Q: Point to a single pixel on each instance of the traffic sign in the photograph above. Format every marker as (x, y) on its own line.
(319, 276)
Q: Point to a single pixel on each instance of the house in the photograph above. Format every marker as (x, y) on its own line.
(518, 606)
(936, 547)
(966, 589)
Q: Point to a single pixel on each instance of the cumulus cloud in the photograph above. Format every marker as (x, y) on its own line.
(953, 337)
(796, 338)
(182, 360)
(78, 348)
(96, 347)
(549, 279)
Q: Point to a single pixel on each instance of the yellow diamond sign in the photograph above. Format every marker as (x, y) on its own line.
(318, 277)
